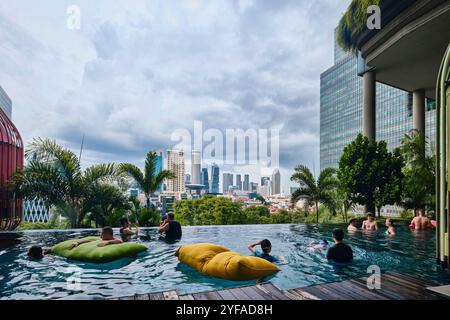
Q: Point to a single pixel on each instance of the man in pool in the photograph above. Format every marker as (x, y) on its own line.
(421, 222)
(126, 231)
(266, 248)
(37, 252)
(170, 228)
(107, 239)
(340, 252)
(352, 227)
(370, 224)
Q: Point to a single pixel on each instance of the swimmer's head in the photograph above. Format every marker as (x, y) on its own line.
(266, 246)
(35, 252)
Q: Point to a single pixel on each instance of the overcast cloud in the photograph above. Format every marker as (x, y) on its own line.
(137, 70)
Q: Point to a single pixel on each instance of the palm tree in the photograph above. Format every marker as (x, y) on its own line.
(148, 181)
(315, 192)
(54, 175)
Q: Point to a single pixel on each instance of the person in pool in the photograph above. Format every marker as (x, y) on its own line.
(390, 227)
(266, 247)
(126, 231)
(421, 222)
(340, 252)
(37, 252)
(107, 239)
(314, 246)
(170, 228)
(352, 227)
(370, 224)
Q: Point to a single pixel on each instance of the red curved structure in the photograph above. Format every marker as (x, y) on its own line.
(11, 159)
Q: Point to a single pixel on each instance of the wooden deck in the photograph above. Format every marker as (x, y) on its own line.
(394, 286)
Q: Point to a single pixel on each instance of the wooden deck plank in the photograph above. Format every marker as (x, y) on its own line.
(345, 292)
(170, 295)
(226, 295)
(156, 296)
(272, 291)
(306, 295)
(254, 293)
(369, 294)
(186, 297)
(240, 294)
(292, 295)
(142, 297)
(387, 292)
(213, 295)
(318, 293)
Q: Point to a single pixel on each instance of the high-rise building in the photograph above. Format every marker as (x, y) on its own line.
(276, 182)
(11, 159)
(159, 168)
(187, 178)
(175, 164)
(195, 167)
(239, 182)
(253, 187)
(215, 178)
(246, 183)
(5, 103)
(227, 182)
(341, 108)
(205, 179)
(264, 180)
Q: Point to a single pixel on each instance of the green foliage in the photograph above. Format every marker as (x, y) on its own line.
(419, 188)
(369, 174)
(54, 175)
(315, 192)
(146, 181)
(353, 22)
(53, 223)
(149, 217)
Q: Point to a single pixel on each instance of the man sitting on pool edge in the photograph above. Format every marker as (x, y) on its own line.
(340, 252)
(37, 252)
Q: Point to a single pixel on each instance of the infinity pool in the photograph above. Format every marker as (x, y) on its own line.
(159, 270)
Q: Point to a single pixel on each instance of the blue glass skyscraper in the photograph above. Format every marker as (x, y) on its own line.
(215, 178)
(159, 168)
(205, 179)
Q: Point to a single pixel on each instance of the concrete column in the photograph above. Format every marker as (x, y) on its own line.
(369, 105)
(419, 110)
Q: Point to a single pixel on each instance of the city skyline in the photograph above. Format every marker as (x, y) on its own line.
(127, 102)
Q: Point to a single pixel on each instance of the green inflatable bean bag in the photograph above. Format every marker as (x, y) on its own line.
(89, 251)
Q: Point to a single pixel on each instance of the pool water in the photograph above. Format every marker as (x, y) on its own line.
(159, 270)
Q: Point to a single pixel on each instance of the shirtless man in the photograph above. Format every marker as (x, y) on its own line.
(421, 222)
(370, 224)
(352, 227)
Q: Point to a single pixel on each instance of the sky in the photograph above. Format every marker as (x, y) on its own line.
(137, 72)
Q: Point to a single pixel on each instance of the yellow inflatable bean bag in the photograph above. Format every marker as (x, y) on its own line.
(218, 261)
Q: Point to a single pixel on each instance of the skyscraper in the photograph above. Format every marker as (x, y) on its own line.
(195, 167)
(253, 187)
(215, 178)
(227, 182)
(246, 184)
(5, 103)
(159, 167)
(341, 108)
(264, 180)
(239, 182)
(276, 182)
(175, 164)
(205, 179)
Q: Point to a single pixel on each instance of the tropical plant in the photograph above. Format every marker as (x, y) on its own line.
(54, 175)
(419, 187)
(149, 180)
(353, 23)
(312, 191)
(370, 175)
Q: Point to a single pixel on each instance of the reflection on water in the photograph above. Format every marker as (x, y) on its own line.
(159, 270)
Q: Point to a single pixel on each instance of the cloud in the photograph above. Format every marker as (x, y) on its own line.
(134, 73)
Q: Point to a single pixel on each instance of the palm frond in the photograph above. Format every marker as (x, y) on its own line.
(133, 172)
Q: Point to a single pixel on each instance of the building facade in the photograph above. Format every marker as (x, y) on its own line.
(11, 159)
(176, 165)
(215, 171)
(227, 182)
(341, 108)
(239, 182)
(246, 183)
(195, 167)
(205, 179)
(159, 167)
(276, 182)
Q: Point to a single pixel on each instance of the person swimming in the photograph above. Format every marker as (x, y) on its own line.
(170, 228)
(390, 227)
(37, 252)
(340, 252)
(126, 231)
(421, 222)
(370, 224)
(352, 227)
(317, 246)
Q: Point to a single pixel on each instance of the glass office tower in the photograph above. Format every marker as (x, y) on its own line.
(341, 108)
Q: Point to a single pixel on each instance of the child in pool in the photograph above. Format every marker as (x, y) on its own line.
(390, 227)
(266, 248)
